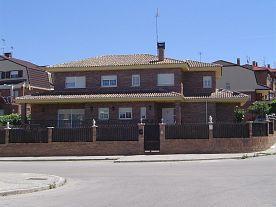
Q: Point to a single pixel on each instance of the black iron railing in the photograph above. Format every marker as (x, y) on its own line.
(117, 132)
(20, 135)
(187, 131)
(72, 135)
(2, 136)
(259, 129)
(231, 130)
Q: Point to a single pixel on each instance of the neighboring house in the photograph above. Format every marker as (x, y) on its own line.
(128, 88)
(266, 76)
(240, 78)
(19, 78)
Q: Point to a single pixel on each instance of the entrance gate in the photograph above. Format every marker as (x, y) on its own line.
(152, 137)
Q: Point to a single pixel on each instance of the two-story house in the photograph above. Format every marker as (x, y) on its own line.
(266, 76)
(237, 77)
(128, 88)
(19, 78)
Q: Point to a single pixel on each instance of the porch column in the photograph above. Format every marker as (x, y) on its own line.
(178, 113)
(23, 113)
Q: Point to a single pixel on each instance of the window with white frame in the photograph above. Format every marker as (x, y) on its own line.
(125, 113)
(75, 82)
(109, 81)
(103, 113)
(14, 74)
(165, 79)
(207, 81)
(135, 80)
(70, 118)
(143, 112)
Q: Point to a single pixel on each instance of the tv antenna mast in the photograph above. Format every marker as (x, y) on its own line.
(3, 45)
(200, 55)
(156, 24)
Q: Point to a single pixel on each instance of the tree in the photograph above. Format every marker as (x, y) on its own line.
(273, 107)
(260, 108)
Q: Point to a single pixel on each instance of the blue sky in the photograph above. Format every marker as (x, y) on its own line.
(56, 31)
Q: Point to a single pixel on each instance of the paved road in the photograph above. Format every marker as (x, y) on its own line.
(249, 182)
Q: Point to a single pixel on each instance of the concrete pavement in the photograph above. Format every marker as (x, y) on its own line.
(20, 183)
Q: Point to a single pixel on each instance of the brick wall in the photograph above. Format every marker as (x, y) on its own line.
(225, 112)
(148, 78)
(193, 83)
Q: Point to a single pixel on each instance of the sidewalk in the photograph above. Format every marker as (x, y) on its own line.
(19, 183)
(145, 158)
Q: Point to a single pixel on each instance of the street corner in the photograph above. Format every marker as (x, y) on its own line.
(21, 183)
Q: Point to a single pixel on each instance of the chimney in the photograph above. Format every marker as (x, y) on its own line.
(253, 63)
(256, 64)
(161, 50)
(268, 65)
(238, 61)
(8, 54)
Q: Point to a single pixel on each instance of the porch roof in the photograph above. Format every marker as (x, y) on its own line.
(220, 95)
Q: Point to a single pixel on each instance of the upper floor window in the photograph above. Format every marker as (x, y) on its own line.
(135, 80)
(12, 74)
(75, 82)
(165, 79)
(125, 113)
(227, 86)
(207, 81)
(109, 81)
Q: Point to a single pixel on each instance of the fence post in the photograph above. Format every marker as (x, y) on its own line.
(250, 128)
(50, 134)
(94, 131)
(267, 124)
(162, 129)
(7, 133)
(211, 127)
(141, 136)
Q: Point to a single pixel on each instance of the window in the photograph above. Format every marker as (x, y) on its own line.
(143, 112)
(14, 74)
(207, 81)
(135, 80)
(227, 86)
(103, 113)
(165, 79)
(70, 118)
(109, 81)
(75, 82)
(125, 113)
(2, 75)
(2, 112)
(15, 93)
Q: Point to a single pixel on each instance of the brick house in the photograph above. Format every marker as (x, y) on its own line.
(128, 88)
(19, 78)
(240, 78)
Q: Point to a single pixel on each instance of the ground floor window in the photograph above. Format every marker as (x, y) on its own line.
(143, 112)
(103, 113)
(70, 117)
(125, 113)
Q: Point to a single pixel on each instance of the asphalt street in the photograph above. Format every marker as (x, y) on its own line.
(248, 182)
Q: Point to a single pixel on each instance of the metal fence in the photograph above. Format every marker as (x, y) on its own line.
(231, 130)
(271, 128)
(72, 135)
(117, 133)
(259, 129)
(2, 136)
(187, 131)
(19, 135)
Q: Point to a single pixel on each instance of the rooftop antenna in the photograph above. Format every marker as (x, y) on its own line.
(156, 24)
(248, 59)
(263, 61)
(3, 45)
(12, 48)
(200, 55)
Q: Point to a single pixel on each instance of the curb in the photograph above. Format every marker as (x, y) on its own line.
(244, 156)
(63, 159)
(61, 181)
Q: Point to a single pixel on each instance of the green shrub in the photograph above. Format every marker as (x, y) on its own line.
(239, 114)
(14, 119)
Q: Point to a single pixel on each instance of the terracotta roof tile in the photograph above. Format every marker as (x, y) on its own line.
(128, 60)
